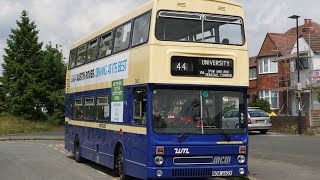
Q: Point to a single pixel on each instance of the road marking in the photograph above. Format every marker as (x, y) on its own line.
(101, 172)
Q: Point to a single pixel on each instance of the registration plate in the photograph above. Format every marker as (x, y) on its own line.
(261, 121)
(221, 173)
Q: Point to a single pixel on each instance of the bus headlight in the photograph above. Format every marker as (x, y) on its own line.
(159, 173)
(241, 159)
(158, 160)
(241, 171)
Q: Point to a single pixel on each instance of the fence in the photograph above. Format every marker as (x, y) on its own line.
(289, 124)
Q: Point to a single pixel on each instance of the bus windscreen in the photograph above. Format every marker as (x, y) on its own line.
(175, 111)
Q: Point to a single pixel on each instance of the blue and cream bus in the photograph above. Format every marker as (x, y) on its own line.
(149, 94)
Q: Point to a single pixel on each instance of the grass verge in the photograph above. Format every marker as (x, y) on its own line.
(15, 125)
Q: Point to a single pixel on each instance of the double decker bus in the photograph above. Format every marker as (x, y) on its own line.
(161, 92)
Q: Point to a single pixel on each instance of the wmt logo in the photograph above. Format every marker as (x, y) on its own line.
(221, 160)
(181, 150)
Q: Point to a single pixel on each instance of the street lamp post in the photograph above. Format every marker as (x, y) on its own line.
(297, 67)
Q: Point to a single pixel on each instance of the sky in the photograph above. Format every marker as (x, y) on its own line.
(65, 21)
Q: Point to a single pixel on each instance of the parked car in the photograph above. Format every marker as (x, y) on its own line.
(258, 120)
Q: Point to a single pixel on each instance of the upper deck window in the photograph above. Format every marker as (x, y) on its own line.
(92, 50)
(196, 27)
(72, 58)
(141, 29)
(81, 54)
(122, 37)
(105, 48)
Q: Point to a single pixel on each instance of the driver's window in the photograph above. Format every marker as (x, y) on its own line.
(140, 106)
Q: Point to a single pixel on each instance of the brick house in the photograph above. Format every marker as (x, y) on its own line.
(273, 72)
(265, 73)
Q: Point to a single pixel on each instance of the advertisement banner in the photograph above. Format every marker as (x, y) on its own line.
(117, 101)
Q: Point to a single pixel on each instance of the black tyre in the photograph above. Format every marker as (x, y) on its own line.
(263, 131)
(119, 165)
(77, 155)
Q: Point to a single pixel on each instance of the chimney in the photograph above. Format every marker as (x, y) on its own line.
(307, 23)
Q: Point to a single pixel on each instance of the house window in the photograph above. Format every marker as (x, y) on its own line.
(271, 96)
(303, 61)
(267, 66)
(252, 73)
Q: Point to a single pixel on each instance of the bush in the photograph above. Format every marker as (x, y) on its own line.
(57, 119)
(261, 103)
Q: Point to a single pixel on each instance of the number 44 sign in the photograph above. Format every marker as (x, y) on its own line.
(181, 66)
(117, 101)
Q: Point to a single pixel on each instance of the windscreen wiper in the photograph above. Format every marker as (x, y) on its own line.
(186, 133)
(182, 136)
(224, 134)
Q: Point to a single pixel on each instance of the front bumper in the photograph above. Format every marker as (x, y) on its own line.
(193, 172)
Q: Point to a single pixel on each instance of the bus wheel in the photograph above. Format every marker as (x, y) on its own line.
(120, 165)
(77, 155)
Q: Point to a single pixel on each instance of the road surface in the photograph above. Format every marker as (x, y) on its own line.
(39, 160)
(278, 156)
(272, 157)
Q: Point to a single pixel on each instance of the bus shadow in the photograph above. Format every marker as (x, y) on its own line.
(95, 166)
(98, 167)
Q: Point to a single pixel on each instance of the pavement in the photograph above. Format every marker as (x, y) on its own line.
(49, 135)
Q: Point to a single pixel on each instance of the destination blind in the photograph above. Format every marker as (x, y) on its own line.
(202, 67)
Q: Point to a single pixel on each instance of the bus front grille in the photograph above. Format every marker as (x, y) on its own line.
(192, 172)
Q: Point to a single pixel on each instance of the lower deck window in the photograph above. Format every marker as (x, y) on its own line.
(77, 109)
(89, 109)
(103, 108)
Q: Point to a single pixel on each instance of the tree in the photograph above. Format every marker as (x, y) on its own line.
(53, 84)
(2, 98)
(261, 103)
(22, 70)
(318, 94)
